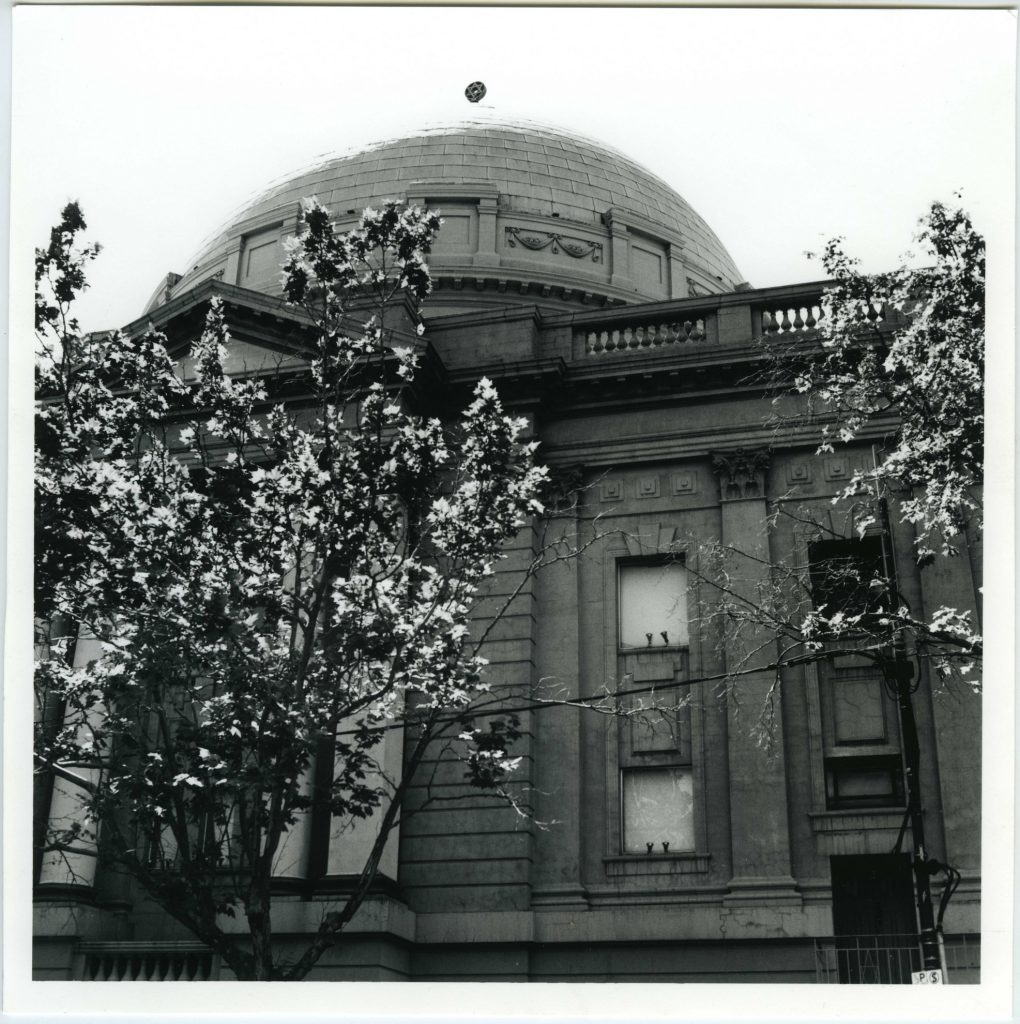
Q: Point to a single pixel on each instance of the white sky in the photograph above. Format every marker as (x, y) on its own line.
(781, 127)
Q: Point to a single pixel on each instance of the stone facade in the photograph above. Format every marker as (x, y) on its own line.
(645, 411)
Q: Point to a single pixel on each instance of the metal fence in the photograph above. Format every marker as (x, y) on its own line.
(891, 959)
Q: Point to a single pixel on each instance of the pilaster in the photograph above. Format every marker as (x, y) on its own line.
(956, 715)
(486, 256)
(559, 751)
(677, 274)
(759, 825)
(68, 810)
(619, 253)
(232, 271)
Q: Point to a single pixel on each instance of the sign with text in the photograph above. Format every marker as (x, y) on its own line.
(926, 977)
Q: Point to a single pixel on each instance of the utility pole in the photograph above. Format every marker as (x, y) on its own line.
(899, 673)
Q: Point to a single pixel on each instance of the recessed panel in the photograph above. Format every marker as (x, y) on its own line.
(646, 268)
(455, 233)
(658, 808)
(262, 258)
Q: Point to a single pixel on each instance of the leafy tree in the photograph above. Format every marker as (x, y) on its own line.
(897, 363)
(259, 585)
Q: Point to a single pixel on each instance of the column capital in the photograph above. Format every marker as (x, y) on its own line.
(564, 487)
(742, 472)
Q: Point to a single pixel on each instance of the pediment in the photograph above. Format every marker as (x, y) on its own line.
(244, 358)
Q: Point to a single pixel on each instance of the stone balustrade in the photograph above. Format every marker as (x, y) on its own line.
(695, 326)
(780, 318)
(644, 336)
(148, 961)
(733, 318)
(790, 320)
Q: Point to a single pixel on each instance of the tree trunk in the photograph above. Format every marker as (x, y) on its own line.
(260, 927)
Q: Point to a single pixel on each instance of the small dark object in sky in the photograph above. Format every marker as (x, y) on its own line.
(475, 91)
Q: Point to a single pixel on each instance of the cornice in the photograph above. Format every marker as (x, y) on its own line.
(699, 442)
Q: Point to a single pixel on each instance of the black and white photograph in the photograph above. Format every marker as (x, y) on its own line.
(503, 501)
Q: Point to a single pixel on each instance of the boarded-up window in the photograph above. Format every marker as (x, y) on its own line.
(653, 605)
(858, 711)
(658, 808)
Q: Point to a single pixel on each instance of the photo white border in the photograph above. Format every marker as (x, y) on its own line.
(490, 1001)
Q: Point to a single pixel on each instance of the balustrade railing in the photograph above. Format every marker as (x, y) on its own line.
(790, 320)
(780, 318)
(644, 336)
(129, 961)
(792, 312)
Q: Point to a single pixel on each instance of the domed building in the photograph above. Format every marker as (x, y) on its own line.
(609, 313)
(532, 215)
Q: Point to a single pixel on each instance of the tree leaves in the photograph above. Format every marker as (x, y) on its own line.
(260, 579)
(898, 364)
(928, 374)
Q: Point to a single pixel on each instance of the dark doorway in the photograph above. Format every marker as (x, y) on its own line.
(873, 919)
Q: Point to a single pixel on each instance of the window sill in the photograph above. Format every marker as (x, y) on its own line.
(657, 649)
(847, 817)
(848, 751)
(636, 865)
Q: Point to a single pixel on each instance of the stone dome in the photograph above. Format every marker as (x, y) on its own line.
(531, 214)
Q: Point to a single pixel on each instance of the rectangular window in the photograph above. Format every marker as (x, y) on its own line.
(854, 782)
(848, 575)
(658, 809)
(653, 605)
(862, 763)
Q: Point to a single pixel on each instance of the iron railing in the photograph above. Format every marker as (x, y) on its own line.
(891, 959)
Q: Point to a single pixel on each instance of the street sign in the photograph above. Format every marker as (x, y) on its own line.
(926, 977)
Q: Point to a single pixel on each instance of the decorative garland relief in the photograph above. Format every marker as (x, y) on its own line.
(572, 247)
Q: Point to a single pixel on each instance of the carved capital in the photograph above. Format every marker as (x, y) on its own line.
(563, 488)
(741, 473)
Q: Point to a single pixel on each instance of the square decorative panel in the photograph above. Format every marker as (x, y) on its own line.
(685, 482)
(612, 490)
(798, 473)
(648, 487)
(837, 468)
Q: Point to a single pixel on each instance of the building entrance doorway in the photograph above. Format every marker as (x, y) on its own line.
(874, 920)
